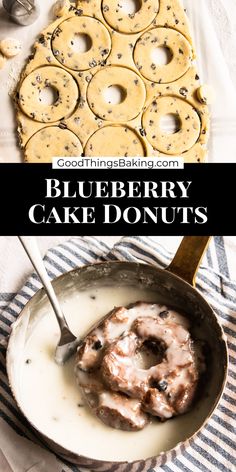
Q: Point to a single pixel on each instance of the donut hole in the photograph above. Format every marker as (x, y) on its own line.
(48, 95)
(115, 94)
(170, 123)
(161, 55)
(81, 43)
(130, 7)
(160, 385)
(149, 354)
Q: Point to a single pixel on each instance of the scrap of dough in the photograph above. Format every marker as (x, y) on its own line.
(61, 8)
(10, 47)
(205, 94)
(2, 61)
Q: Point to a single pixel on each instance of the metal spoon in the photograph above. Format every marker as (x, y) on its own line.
(68, 343)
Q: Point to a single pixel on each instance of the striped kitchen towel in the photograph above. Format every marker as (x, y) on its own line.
(214, 447)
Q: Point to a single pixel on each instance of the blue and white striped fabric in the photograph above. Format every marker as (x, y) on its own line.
(214, 448)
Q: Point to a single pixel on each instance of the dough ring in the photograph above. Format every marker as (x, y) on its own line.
(52, 142)
(61, 82)
(113, 57)
(184, 138)
(178, 48)
(132, 93)
(97, 43)
(121, 20)
(205, 94)
(115, 141)
(10, 47)
(107, 369)
(120, 412)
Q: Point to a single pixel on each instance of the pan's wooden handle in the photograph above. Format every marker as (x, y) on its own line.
(188, 257)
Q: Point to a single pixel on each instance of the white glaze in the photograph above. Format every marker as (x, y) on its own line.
(49, 395)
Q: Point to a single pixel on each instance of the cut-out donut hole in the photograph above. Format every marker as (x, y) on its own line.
(150, 354)
(161, 56)
(114, 94)
(130, 7)
(170, 123)
(81, 43)
(48, 96)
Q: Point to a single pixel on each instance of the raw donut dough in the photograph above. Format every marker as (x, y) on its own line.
(184, 138)
(118, 18)
(115, 141)
(2, 61)
(178, 46)
(52, 142)
(205, 94)
(61, 8)
(31, 92)
(133, 91)
(110, 60)
(10, 47)
(97, 43)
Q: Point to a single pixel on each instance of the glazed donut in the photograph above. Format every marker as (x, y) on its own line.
(125, 394)
(97, 43)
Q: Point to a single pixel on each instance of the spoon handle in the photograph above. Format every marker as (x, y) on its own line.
(31, 247)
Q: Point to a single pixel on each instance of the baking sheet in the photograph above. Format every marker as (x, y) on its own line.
(211, 65)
